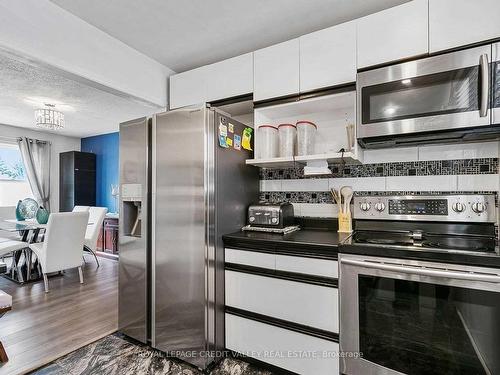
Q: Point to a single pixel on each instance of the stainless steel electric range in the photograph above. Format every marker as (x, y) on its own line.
(420, 286)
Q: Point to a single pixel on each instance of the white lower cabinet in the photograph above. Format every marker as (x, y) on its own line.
(293, 351)
(310, 266)
(298, 302)
(250, 258)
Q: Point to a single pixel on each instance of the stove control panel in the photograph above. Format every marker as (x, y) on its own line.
(460, 208)
(418, 207)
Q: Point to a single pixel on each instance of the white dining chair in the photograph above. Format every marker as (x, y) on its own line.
(7, 247)
(63, 243)
(96, 218)
(81, 209)
(8, 213)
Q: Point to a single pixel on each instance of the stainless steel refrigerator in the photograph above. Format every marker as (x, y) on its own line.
(200, 189)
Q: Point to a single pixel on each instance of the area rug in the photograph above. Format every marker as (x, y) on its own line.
(115, 354)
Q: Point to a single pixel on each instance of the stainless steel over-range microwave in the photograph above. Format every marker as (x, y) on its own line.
(444, 98)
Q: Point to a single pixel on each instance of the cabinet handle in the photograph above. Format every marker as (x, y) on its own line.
(485, 84)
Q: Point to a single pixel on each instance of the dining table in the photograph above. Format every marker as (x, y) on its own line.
(25, 266)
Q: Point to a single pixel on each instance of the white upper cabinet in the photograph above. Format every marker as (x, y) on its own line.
(231, 77)
(393, 34)
(276, 70)
(455, 23)
(328, 57)
(188, 88)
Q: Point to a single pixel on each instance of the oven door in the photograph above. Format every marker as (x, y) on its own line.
(436, 93)
(412, 317)
(495, 67)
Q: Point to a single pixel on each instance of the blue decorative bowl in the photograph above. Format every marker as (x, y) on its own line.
(28, 208)
(42, 215)
(19, 216)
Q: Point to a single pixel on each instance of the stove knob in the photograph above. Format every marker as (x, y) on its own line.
(478, 207)
(458, 207)
(380, 206)
(365, 206)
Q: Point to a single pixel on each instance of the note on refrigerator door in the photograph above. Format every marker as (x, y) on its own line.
(246, 142)
(223, 130)
(237, 142)
(222, 141)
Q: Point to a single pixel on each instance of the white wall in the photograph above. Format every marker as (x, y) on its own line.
(59, 143)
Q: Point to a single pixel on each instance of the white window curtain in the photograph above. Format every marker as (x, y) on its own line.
(36, 159)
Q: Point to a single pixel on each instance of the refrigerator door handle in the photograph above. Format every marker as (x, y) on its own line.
(153, 233)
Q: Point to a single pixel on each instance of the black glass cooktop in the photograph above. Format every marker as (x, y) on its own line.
(425, 241)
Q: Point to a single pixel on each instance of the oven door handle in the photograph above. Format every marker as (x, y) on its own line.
(485, 84)
(422, 271)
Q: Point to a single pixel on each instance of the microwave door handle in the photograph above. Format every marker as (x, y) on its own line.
(485, 84)
(414, 270)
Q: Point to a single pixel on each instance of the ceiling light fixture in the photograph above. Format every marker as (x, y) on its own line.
(49, 118)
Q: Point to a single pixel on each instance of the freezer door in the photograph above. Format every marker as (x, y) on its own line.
(180, 196)
(134, 229)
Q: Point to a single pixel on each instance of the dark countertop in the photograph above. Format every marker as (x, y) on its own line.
(320, 239)
(314, 242)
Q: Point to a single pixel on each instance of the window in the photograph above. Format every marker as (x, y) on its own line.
(13, 181)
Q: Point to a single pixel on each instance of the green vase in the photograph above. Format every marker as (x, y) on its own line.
(19, 215)
(42, 215)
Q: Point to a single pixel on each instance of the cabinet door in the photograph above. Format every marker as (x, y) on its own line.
(283, 347)
(310, 266)
(393, 34)
(455, 23)
(328, 57)
(230, 78)
(188, 88)
(250, 258)
(276, 70)
(311, 305)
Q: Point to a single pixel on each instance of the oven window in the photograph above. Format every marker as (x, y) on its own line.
(434, 94)
(419, 328)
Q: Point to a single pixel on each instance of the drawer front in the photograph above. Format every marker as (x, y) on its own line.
(311, 305)
(290, 350)
(310, 266)
(250, 258)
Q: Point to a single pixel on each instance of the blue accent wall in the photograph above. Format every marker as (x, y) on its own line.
(106, 147)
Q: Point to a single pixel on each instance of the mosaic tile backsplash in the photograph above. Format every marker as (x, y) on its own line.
(411, 168)
(459, 167)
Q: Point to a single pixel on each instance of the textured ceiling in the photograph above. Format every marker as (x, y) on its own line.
(191, 33)
(87, 110)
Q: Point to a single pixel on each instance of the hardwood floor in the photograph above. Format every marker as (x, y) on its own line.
(45, 326)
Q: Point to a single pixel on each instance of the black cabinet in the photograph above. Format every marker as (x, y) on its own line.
(77, 186)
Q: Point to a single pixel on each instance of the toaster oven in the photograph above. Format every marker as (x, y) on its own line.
(272, 215)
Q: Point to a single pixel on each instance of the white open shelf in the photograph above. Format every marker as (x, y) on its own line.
(331, 114)
(276, 163)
